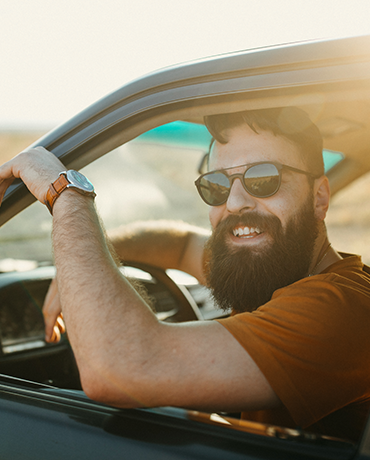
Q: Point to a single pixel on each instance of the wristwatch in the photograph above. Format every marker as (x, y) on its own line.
(68, 179)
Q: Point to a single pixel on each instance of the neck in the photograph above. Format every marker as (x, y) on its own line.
(324, 256)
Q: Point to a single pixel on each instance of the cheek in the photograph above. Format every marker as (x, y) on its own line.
(284, 213)
(289, 200)
(283, 208)
(215, 214)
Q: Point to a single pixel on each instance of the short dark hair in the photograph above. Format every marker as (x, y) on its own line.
(291, 123)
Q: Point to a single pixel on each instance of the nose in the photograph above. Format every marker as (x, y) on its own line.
(239, 199)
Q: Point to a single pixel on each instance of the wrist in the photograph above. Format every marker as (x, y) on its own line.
(72, 203)
(72, 180)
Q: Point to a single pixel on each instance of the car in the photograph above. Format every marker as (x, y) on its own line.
(142, 146)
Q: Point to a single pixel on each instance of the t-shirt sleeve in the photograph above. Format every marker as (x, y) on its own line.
(310, 341)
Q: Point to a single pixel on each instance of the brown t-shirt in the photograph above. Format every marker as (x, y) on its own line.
(312, 343)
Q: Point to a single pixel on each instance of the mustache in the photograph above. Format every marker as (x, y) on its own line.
(250, 219)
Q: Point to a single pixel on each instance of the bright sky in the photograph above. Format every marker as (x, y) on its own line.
(57, 57)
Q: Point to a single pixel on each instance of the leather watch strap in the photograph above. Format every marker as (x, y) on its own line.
(55, 189)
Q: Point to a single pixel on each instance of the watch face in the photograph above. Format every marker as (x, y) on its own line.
(79, 180)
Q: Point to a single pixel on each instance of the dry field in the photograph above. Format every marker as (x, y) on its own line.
(347, 221)
(13, 142)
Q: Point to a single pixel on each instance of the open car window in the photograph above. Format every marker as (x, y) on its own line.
(150, 177)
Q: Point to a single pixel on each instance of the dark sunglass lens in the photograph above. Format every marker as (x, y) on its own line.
(214, 188)
(262, 180)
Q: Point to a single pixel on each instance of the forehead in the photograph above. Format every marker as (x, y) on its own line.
(245, 146)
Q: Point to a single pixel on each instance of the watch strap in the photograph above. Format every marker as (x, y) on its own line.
(54, 190)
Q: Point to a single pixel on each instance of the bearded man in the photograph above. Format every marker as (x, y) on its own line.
(295, 350)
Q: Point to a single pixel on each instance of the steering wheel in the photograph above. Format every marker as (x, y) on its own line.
(185, 308)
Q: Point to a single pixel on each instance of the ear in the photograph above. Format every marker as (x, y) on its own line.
(321, 197)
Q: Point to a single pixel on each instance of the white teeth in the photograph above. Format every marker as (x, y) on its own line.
(240, 231)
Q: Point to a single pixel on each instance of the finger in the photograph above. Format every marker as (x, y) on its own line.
(51, 327)
(51, 320)
(6, 169)
(50, 295)
(57, 331)
(55, 336)
(51, 311)
(4, 185)
(60, 323)
(37, 168)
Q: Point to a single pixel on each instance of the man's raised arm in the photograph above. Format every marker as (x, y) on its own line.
(126, 357)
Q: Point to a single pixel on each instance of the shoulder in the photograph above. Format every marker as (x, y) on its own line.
(339, 298)
(342, 282)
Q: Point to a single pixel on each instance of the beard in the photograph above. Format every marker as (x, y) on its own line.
(244, 278)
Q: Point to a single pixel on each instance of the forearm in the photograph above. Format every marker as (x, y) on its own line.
(98, 304)
(165, 244)
(126, 357)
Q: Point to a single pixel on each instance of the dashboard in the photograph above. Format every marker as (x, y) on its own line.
(173, 295)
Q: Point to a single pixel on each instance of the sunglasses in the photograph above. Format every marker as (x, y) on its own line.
(260, 180)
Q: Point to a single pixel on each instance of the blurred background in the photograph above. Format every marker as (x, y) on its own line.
(59, 57)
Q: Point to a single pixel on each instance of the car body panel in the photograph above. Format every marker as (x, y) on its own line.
(69, 425)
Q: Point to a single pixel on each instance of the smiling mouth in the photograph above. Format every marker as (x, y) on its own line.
(246, 232)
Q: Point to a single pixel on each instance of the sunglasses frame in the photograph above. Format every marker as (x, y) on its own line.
(231, 177)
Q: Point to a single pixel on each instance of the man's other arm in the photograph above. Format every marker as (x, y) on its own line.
(163, 243)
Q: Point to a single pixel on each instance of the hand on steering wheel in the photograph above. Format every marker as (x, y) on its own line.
(53, 317)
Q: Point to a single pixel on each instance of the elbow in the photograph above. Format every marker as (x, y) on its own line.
(93, 387)
(106, 389)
